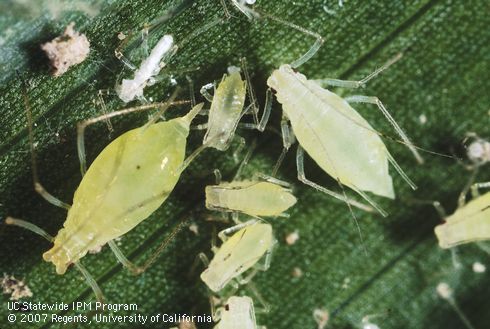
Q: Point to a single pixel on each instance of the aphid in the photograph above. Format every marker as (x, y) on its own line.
(227, 107)
(261, 196)
(445, 292)
(335, 135)
(237, 313)
(238, 253)
(469, 223)
(130, 89)
(127, 181)
(251, 197)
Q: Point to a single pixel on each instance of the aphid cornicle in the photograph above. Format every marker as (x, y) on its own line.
(127, 181)
(238, 253)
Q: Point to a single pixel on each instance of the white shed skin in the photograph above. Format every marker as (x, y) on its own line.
(130, 89)
(338, 138)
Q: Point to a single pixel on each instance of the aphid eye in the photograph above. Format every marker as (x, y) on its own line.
(227, 307)
(138, 167)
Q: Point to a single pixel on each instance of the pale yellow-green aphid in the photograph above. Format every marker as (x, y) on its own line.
(237, 313)
(469, 223)
(239, 253)
(334, 134)
(254, 198)
(227, 108)
(127, 181)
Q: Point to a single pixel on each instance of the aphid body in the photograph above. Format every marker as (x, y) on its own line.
(226, 110)
(130, 89)
(237, 254)
(238, 313)
(127, 181)
(470, 222)
(335, 135)
(254, 198)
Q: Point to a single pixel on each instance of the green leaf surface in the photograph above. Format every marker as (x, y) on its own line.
(390, 277)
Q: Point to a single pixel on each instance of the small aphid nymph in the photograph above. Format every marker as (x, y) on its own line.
(237, 313)
(239, 253)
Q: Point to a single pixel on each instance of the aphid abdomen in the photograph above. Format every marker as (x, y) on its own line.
(468, 224)
(129, 180)
(340, 141)
(238, 254)
(226, 110)
(238, 314)
(252, 198)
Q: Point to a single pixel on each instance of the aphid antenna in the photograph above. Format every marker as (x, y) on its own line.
(246, 159)
(35, 175)
(133, 268)
(39, 231)
(306, 56)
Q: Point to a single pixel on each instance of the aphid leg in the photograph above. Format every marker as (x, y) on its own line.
(239, 148)
(245, 160)
(306, 56)
(264, 266)
(39, 231)
(360, 83)
(197, 151)
(217, 175)
(271, 179)
(400, 171)
(205, 93)
(264, 306)
(225, 9)
(475, 187)
(101, 103)
(382, 108)
(38, 187)
(244, 9)
(303, 179)
(133, 268)
(119, 54)
(467, 188)
(223, 235)
(260, 125)
(287, 140)
(84, 124)
(91, 282)
(191, 90)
